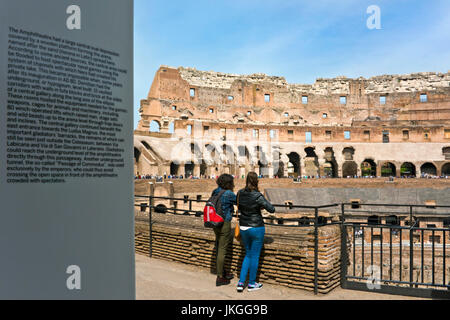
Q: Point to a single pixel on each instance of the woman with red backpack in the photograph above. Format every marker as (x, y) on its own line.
(224, 234)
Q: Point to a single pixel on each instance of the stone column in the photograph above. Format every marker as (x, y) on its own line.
(438, 169)
(358, 170)
(379, 165)
(339, 170)
(197, 170)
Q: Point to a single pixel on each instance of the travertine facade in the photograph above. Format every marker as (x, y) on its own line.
(208, 123)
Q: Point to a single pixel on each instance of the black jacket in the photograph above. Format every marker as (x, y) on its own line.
(250, 204)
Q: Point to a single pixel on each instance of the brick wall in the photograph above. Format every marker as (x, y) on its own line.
(287, 257)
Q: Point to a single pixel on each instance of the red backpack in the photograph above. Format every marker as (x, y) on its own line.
(212, 213)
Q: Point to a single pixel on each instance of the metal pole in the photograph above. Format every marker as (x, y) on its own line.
(150, 223)
(411, 247)
(343, 248)
(316, 251)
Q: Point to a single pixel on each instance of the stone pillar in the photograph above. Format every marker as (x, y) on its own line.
(379, 165)
(163, 169)
(321, 167)
(197, 170)
(270, 170)
(242, 172)
(182, 169)
(358, 170)
(438, 169)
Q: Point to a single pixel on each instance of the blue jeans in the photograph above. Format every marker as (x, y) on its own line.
(253, 240)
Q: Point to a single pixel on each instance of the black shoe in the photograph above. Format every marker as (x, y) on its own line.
(222, 282)
(228, 276)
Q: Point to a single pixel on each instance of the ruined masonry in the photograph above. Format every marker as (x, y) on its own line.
(198, 123)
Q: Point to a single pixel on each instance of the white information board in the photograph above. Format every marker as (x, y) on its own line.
(66, 174)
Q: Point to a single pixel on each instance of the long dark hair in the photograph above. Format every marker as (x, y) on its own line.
(252, 182)
(226, 182)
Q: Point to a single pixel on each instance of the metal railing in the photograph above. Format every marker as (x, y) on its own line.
(316, 222)
(374, 232)
(359, 232)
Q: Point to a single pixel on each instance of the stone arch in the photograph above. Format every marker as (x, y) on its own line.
(349, 169)
(388, 169)
(428, 169)
(446, 169)
(408, 170)
(294, 169)
(330, 167)
(155, 126)
(188, 170)
(348, 153)
(368, 168)
(137, 154)
(203, 168)
(174, 168)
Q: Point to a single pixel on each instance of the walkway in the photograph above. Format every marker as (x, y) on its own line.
(165, 280)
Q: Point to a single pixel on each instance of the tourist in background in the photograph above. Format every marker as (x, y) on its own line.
(252, 228)
(224, 235)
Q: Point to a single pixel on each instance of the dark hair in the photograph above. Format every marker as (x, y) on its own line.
(226, 182)
(252, 182)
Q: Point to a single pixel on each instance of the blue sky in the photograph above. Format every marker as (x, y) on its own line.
(299, 40)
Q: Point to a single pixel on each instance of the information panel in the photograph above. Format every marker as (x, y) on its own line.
(66, 170)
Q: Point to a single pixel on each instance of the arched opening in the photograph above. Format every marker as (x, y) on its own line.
(172, 128)
(446, 170)
(174, 169)
(263, 169)
(330, 158)
(294, 164)
(368, 168)
(329, 170)
(137, 155)
(349, 169)
(311, 162)
(203, 168)
(188, 170)
(388, 170)
(428, 169)
(408, 170)
(155, 126)
(348, 153)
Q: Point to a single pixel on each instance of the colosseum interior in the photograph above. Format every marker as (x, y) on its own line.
(203, 123)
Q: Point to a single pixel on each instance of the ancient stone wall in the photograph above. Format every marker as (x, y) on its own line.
(287, 257)
(235, 124)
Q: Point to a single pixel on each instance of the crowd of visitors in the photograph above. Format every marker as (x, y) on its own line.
(214, 177)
